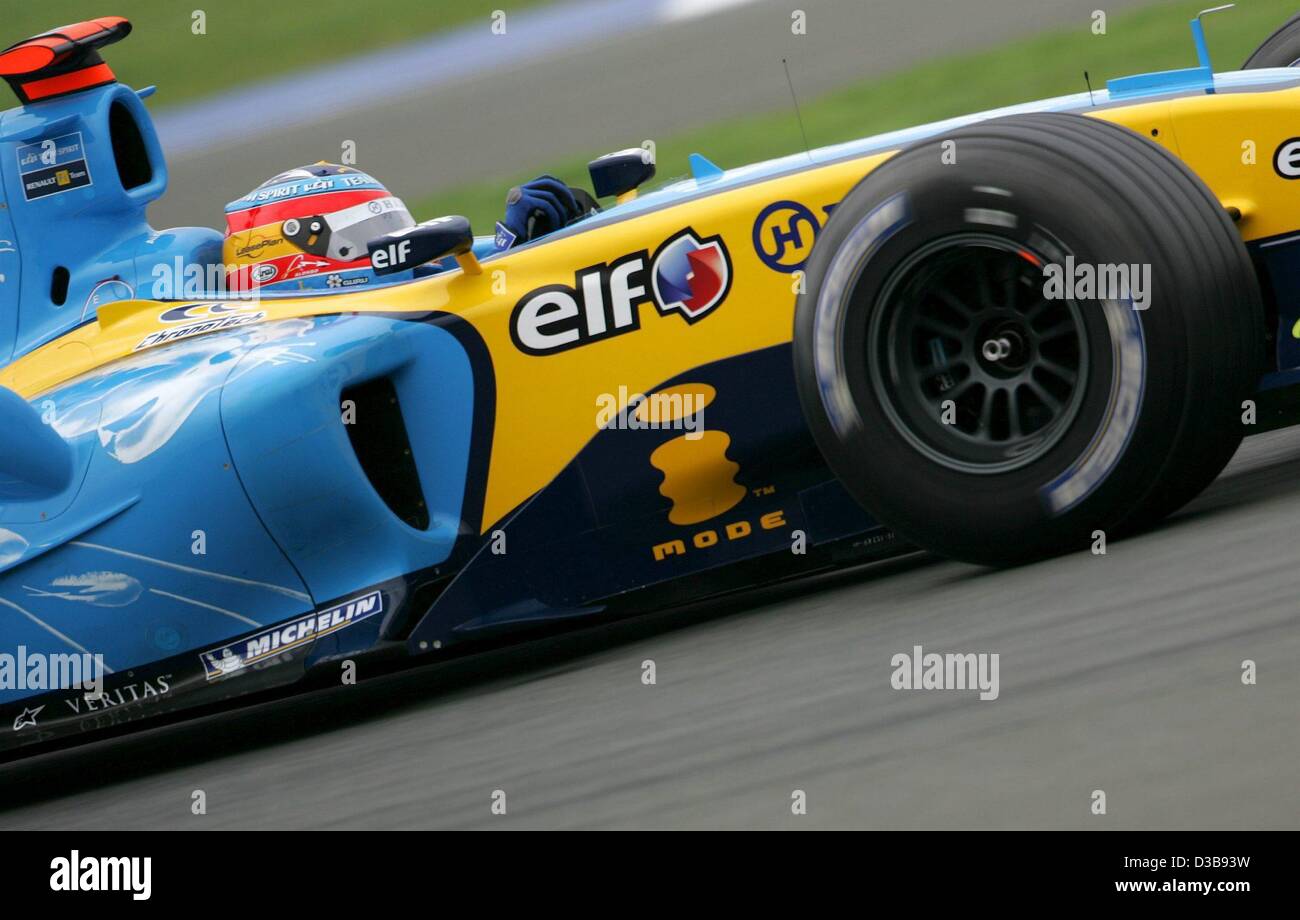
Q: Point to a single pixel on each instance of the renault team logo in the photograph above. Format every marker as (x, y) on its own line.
(691, 275)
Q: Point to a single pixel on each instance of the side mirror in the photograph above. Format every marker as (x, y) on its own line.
(439, 238)
(621, 173)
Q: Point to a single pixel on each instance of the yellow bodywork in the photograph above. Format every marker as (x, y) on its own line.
(546, 405)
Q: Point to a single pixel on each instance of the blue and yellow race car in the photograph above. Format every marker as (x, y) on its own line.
(993, 338)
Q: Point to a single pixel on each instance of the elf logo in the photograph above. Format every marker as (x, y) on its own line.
(1286, 159)
(691, 276)
(688, 274)
(390, 255)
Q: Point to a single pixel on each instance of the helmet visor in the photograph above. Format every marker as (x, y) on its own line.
(343, 235)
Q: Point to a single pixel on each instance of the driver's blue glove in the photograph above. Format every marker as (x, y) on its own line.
(537, 208)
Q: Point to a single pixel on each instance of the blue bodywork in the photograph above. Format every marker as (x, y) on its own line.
(148, 511)
(185, 520)
(96, 233)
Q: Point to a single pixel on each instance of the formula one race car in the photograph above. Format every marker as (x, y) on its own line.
(989, 337)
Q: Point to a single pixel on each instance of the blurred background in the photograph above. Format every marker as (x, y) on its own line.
(451, 102)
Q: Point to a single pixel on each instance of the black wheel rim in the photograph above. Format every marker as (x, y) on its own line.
(972, 363)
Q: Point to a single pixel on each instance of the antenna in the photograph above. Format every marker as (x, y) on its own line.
(797, 114)
(1087, 80)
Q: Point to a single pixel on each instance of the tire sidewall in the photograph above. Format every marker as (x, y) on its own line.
(1136, 358)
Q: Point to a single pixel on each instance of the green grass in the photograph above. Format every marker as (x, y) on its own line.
(1051, 64)
(246, 40)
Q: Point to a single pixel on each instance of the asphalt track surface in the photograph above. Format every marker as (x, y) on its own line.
(1119, 672)
(548, 89)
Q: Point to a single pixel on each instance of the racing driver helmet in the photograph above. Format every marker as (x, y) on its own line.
(307, 229)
